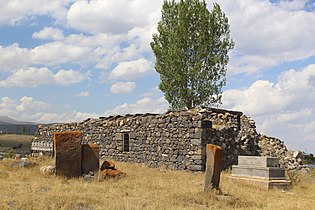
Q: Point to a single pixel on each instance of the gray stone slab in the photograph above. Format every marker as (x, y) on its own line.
(259, 172)
(258, 161)
(265, 184)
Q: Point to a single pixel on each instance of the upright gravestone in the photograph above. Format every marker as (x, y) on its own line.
(213, 167)
(90, 158)
(68, 153)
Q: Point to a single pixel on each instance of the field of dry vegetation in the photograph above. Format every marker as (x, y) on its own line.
(143, 188)
(20, 143)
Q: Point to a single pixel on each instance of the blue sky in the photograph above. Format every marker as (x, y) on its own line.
(66, 60)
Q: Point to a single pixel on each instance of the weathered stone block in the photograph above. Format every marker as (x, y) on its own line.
(213, 167)
(198, 132)
(195, 141)
(132, 135)
(195, 167)
(262, 183)
(90, 158)
(258, 161)
(68, 153)
(118, 137)
(259, 172)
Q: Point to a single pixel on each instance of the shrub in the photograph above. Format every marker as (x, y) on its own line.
(9, 153)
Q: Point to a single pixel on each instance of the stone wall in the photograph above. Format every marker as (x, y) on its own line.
(174, 140)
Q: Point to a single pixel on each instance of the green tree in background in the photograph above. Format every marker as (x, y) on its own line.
(191, 50)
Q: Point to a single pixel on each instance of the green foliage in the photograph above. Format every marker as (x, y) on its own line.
(309, 159)
(191, 53)
(9, 153)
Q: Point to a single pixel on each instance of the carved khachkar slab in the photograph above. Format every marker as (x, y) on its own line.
(68, 153)
(90, 158)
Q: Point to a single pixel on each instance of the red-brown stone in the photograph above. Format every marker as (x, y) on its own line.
(107, 164)
(213, 167)
(67, 146)
(90, 158)
(111, 173)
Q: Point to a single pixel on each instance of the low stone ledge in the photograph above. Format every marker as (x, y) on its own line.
(261, 183)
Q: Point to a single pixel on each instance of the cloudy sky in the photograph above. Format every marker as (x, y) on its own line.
(67, 60)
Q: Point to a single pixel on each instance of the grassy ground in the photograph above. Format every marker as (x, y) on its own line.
(143, 188)
(8, 141)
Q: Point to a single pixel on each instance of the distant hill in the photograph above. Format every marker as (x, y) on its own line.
(9, 125)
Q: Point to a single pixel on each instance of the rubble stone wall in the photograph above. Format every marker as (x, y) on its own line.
(174, 140)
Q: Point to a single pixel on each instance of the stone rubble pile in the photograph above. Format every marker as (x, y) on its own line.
(274, 147)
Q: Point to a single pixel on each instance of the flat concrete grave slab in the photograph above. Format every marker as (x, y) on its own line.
(260, 172)
(68, 153)
(90, 158)
(261, 183)
(258, 161)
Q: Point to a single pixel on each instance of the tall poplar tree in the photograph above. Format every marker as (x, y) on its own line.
(191, 50)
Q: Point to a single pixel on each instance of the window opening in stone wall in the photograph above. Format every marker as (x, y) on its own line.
(126, 142)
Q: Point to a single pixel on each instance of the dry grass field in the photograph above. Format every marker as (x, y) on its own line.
(13, 140)
(143, 188)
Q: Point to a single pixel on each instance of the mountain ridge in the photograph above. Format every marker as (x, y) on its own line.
(11, 121)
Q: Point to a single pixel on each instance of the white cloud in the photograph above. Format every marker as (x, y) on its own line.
(33, 77)
(49, 33)
(66, 117)
(122, 87)
(82, 94)
(7, 106)
(131, 69)
(115, 17)
(284, 109)
(268, 34)
(144, 105)
(28, 109)
(58, 52)
(28, 103)
(24, 109)
(68, 77)
(14, 12)
(13, 57)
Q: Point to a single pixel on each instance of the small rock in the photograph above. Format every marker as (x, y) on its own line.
(107, 164)
(298, 154)
(111, 173)
(89, 175)
(48, 170)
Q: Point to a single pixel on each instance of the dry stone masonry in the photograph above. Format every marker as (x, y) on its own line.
(174, 140)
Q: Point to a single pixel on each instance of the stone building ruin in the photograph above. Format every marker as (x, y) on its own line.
(173, 140)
